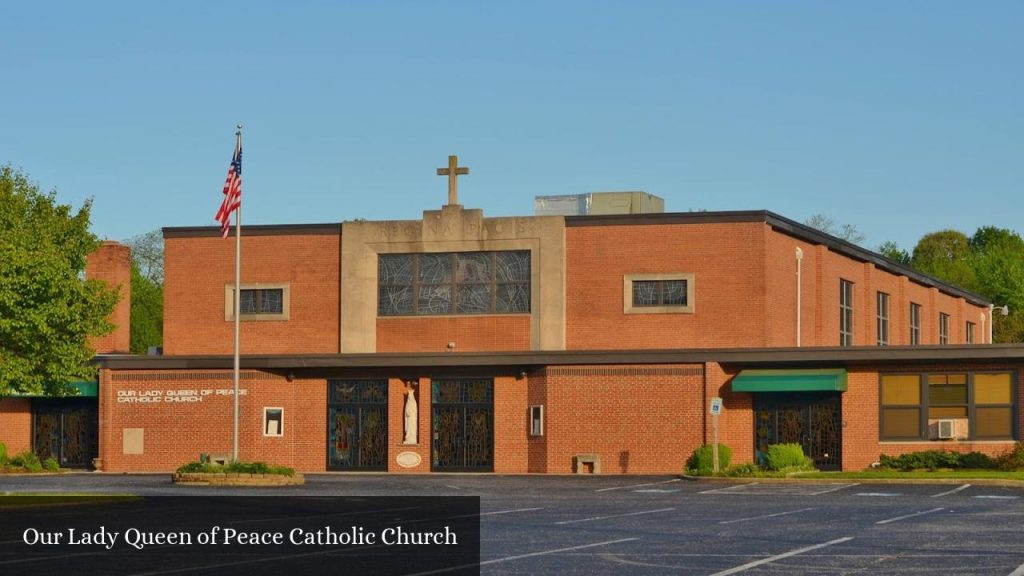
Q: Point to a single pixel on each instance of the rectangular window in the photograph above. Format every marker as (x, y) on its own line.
(969, 333)
(273, 421)
(669, 293)
(845, 313)
(258, 302)
(536, 420)
(454, 283)
(882, 319)
(915, 324)
(943, 328)
(980, 405)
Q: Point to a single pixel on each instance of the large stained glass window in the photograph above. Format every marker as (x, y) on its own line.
(454, 283)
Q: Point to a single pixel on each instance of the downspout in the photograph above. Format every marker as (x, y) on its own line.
(799, 260)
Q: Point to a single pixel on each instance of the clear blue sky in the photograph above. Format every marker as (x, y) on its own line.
(898, 117)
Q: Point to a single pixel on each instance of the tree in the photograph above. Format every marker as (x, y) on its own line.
(946, 254)
(148, 255)
(827, 225)
(48, 311)
(147, 325)
(892, 251)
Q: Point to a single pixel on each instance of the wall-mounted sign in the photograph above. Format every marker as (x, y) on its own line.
(173, 396)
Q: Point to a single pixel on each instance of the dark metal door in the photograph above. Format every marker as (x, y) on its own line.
(357, 425)
(813, 420)
(65, 430)
(462, 425)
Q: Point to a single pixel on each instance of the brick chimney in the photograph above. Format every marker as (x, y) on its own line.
(112, 263)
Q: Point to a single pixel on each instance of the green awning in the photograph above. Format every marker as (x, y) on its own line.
(83, 389)
(826, 380)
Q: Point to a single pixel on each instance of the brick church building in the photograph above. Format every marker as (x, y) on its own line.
(554, 344)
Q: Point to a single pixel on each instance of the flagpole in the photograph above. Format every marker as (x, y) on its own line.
(238, 307)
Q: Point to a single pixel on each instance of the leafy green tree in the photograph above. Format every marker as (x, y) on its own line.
(946, 254)
(147, 326)
(48, 310)
(892, 251)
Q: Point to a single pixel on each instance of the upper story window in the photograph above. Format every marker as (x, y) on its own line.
(882, 320)
(258, 302)
(657, 293)
(454, 283)
(845, 313)
(969, 333)
(943, 328)
(915, 324)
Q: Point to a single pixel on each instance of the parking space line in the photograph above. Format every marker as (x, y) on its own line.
(636, 485)
(953, 491)
(833, 489)
(592, 518)
(771, 559)
(766, 516)
(734, 488)
(1018, 572)
(898, 518)
(521, 556)
(994, 497)
(509, 511)
(879, 494)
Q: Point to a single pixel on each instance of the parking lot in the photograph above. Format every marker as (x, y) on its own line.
(667, 525)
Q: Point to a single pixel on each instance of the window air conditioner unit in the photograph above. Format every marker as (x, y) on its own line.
(947, 429)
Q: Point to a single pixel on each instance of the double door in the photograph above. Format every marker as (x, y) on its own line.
(813, 420)
(66, 430)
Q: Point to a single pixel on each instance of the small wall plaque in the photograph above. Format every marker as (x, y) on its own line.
(408, 459)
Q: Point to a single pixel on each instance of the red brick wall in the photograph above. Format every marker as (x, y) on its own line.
(16, 424)
(396, 423)
(469, 333)
(111, 262)
(537, 446)
(640, 420)
(176, 433)
(736, 422)
(197, 269)
(729, 285)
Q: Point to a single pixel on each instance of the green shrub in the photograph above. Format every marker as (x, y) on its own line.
(236, 468)
(787, 456)
(1012, 459)
(3, 454)
(743, 470)
(51, 465)
(28, 461)
(702, 459)
(935, 459)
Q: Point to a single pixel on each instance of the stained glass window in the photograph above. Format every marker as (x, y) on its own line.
(454, 283)
(262, 301)
(659, 292)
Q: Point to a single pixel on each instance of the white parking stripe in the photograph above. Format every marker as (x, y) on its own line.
(636, 485)
(766, 516)
(992, 497)
(771, 559)
(1018, 572)
(880, 494)
(509, 511)
(732, 488)
(898, 518)
(592, 518)
(953, 491)
(521, 556)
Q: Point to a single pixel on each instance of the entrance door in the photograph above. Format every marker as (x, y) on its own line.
(813, 420)
(357, 424)
(462, 425)
(65, 430)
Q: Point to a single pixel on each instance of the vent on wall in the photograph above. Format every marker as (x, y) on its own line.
(946, 429)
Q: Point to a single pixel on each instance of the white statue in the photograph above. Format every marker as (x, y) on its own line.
(411, 417)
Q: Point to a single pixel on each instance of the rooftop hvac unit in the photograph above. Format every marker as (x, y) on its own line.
(947, 429)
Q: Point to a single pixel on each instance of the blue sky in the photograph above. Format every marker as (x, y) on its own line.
(901, 118)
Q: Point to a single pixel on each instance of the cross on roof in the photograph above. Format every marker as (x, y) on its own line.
(453, 171)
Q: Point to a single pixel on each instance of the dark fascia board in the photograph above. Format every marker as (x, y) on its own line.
(255, 230)
(739, 357)
(789, 227)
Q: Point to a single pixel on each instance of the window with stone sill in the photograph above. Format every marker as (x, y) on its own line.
(669, 293)
(258, 302)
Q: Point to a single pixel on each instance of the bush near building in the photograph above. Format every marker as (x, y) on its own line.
(1010, 460)
(702, 459)
(235, 468)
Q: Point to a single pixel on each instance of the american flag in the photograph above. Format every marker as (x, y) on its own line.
(232, 191)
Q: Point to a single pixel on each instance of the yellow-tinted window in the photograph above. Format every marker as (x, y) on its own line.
(947, 412)
(992, 389)
(993, 422)
(901, 422)
(904, 389)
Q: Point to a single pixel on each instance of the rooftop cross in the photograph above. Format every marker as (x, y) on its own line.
(453, 171)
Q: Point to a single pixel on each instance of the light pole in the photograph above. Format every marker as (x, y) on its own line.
(1003, 311)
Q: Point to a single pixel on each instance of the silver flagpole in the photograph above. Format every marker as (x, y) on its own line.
(238, 302)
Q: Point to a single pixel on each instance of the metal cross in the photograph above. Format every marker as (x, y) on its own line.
(453, 171)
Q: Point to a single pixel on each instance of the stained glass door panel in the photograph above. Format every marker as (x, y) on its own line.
(462, 425)
(357, 431)
(812, 420)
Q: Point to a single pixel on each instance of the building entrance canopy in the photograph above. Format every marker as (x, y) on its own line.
(822, 380)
